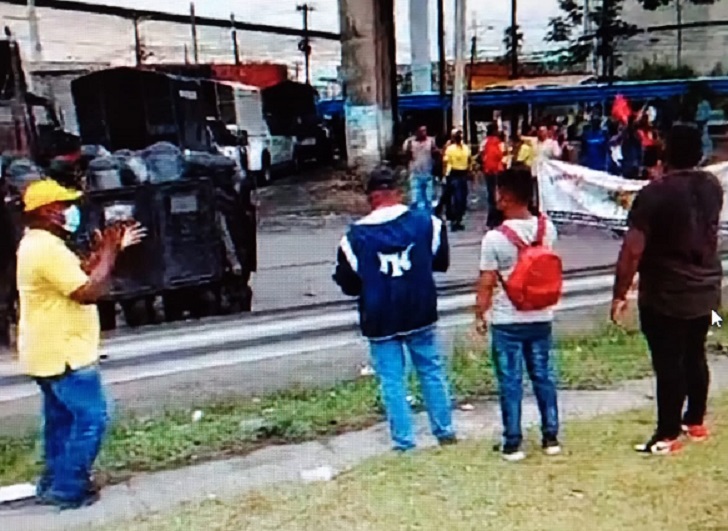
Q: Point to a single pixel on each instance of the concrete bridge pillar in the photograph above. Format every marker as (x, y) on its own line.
(420, 45)
(368, 64)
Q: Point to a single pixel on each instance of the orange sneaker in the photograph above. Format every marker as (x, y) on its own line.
(696, 433)
(658, 446)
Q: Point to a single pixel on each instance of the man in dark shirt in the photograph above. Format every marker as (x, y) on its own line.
(387, 260)
(673, 242)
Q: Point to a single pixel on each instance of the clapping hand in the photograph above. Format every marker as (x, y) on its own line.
(123, 235)
(132, 235)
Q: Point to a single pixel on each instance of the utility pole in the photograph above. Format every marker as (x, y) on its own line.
(458, 90)
(514, 39)
(473, 53)
(34, 33)
(138, 54)
(22, 120)
(606, 43)
(193, 20)
(304, 46)
(678, 9)
(441, 62)
(234, 36)
(591, 60)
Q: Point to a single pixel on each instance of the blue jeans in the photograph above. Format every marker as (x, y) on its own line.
(422, 190)
(513, 344)
(74, 422)
(389, 361)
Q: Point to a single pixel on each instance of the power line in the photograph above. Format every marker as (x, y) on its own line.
(131, 14)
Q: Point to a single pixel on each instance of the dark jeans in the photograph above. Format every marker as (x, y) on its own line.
(495, 216)
(74, 422)
(534, 206)
(677, 347)
(512, 344)
(457, 183)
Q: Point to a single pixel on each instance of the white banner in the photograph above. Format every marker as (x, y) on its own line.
(577, 195)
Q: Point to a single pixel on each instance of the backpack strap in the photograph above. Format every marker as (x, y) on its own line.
(540, 231)
(514, 238)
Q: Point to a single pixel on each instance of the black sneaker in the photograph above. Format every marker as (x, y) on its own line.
(448, 441)
(513, 453)
(551, 446)
(91, 497)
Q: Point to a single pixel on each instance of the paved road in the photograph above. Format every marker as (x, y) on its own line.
(295, 264)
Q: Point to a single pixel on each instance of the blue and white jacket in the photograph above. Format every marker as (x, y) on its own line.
(387, 259)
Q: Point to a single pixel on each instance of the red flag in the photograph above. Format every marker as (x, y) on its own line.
(621, 110)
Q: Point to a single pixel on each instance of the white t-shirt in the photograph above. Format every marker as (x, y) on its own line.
(497, 253)
(549, 149)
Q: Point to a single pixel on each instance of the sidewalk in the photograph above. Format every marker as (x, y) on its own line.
(163, 491)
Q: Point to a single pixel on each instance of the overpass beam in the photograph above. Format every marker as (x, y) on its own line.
(368, 64)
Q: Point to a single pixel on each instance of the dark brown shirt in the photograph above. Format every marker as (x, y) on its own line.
(680, 270)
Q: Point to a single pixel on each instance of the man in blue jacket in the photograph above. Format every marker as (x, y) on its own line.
(595, 145)
(387, 259)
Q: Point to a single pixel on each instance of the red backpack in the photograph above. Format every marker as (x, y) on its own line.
(537, 278)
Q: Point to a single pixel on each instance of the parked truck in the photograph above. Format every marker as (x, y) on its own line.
(189, 190)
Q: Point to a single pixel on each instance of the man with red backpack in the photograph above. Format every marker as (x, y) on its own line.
(520, 282)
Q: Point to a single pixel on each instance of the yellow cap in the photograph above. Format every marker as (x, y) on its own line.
(47, 191)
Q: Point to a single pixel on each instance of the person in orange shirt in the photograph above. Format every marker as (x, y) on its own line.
(492, 158)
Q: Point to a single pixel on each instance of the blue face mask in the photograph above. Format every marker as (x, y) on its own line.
(73, 219)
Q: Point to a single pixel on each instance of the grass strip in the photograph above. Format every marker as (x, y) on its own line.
(236, 426)
(598, 484)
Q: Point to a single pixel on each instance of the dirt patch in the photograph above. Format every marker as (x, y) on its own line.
(317, 192)
(313, 198)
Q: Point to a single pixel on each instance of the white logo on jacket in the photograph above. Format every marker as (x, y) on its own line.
(395, 264)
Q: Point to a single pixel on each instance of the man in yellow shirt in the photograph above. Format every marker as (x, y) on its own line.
(457, 166)
(58, 337)
(523, 152)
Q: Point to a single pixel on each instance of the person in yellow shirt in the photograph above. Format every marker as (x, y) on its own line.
(457, 167)
(522, 153)
(58, 337)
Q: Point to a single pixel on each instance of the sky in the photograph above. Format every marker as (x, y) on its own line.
(534, 15)
(110, 39)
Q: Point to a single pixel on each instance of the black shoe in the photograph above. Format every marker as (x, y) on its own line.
(448, 441)
(89, 499)
(551, 446)
(513, 453)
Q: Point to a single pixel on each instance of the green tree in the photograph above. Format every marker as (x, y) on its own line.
(609, 29)
(508, 44)
(651, 70)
